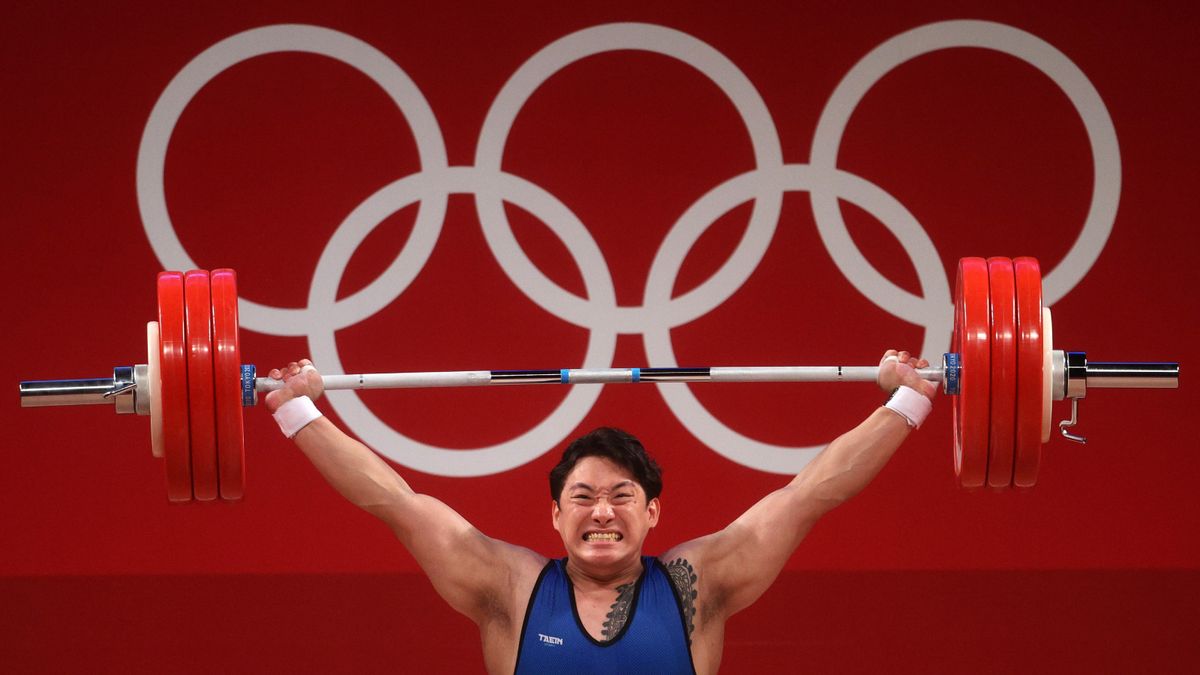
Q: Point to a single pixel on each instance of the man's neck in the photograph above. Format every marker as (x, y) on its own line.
(590, 579)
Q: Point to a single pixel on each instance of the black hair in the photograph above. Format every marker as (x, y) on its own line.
(620, 447)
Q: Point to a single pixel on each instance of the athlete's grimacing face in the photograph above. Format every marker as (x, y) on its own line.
(603, 515)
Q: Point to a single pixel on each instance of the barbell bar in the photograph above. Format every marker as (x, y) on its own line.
(1001, 371)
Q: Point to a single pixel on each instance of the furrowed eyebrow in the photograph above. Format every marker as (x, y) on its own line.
(585, 486)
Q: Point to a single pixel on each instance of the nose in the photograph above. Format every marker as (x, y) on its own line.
(602, 512)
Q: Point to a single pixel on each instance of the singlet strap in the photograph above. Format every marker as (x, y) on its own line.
(529, 610)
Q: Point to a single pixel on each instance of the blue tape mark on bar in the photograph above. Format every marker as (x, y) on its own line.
(565, 375)
(637, 375)
(953, 371)
(248, 374)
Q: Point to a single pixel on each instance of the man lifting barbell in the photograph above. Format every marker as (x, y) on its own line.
(605, 607)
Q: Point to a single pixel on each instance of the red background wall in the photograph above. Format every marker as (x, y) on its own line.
(1094, 569)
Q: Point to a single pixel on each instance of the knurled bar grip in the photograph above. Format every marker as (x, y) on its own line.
(475, 378)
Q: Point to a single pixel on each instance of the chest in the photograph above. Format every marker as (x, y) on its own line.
(604, 612)
(604, 632)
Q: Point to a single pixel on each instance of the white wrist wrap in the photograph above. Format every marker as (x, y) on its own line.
(910, 404)
(295, 415)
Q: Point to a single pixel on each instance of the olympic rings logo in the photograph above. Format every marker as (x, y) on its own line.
(599, 313)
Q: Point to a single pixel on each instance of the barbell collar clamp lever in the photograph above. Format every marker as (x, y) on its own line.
(1078, 374)
(128, 390)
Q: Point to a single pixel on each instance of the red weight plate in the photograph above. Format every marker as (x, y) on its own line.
(1002, 426)
(972, 341)
(227, 377)
(173, 366)
(201, 401)
(1030, 364)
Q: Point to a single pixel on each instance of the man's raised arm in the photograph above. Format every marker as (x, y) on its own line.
(471, 571)
(737, 564)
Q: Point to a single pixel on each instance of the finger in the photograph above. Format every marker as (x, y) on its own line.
(922, 363)
(904, 357)
(275, 399)
(275, 374)
(305, 362)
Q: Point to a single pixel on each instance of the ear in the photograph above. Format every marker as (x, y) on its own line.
(555, 512)
(654, 507)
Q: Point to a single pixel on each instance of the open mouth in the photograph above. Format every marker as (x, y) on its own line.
(602, 536)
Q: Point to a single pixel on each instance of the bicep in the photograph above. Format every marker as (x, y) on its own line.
(468, 569)
(737, 564)
(471, 571)
(748, 555)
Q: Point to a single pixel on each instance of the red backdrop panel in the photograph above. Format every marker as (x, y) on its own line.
(272, 163)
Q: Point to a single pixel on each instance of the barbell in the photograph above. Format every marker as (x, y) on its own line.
(1001, 371)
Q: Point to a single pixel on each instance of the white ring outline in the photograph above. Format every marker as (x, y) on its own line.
(659, 40)
(152, 155)
(1102, 137)
(904, 226)
(602, 341)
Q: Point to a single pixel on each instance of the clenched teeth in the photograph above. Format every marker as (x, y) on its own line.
(602, 536)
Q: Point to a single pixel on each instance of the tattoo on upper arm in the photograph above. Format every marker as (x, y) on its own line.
(684, 579)
(619, 613)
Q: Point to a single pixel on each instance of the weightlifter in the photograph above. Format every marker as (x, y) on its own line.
(606, 607)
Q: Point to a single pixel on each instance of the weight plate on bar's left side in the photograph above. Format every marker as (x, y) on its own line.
(201, 402)
(177, 459)
(972, 341)
(1030, 378)
(1002, 426)
(227, 379)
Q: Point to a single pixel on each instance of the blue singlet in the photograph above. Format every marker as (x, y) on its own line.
(653, 640)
